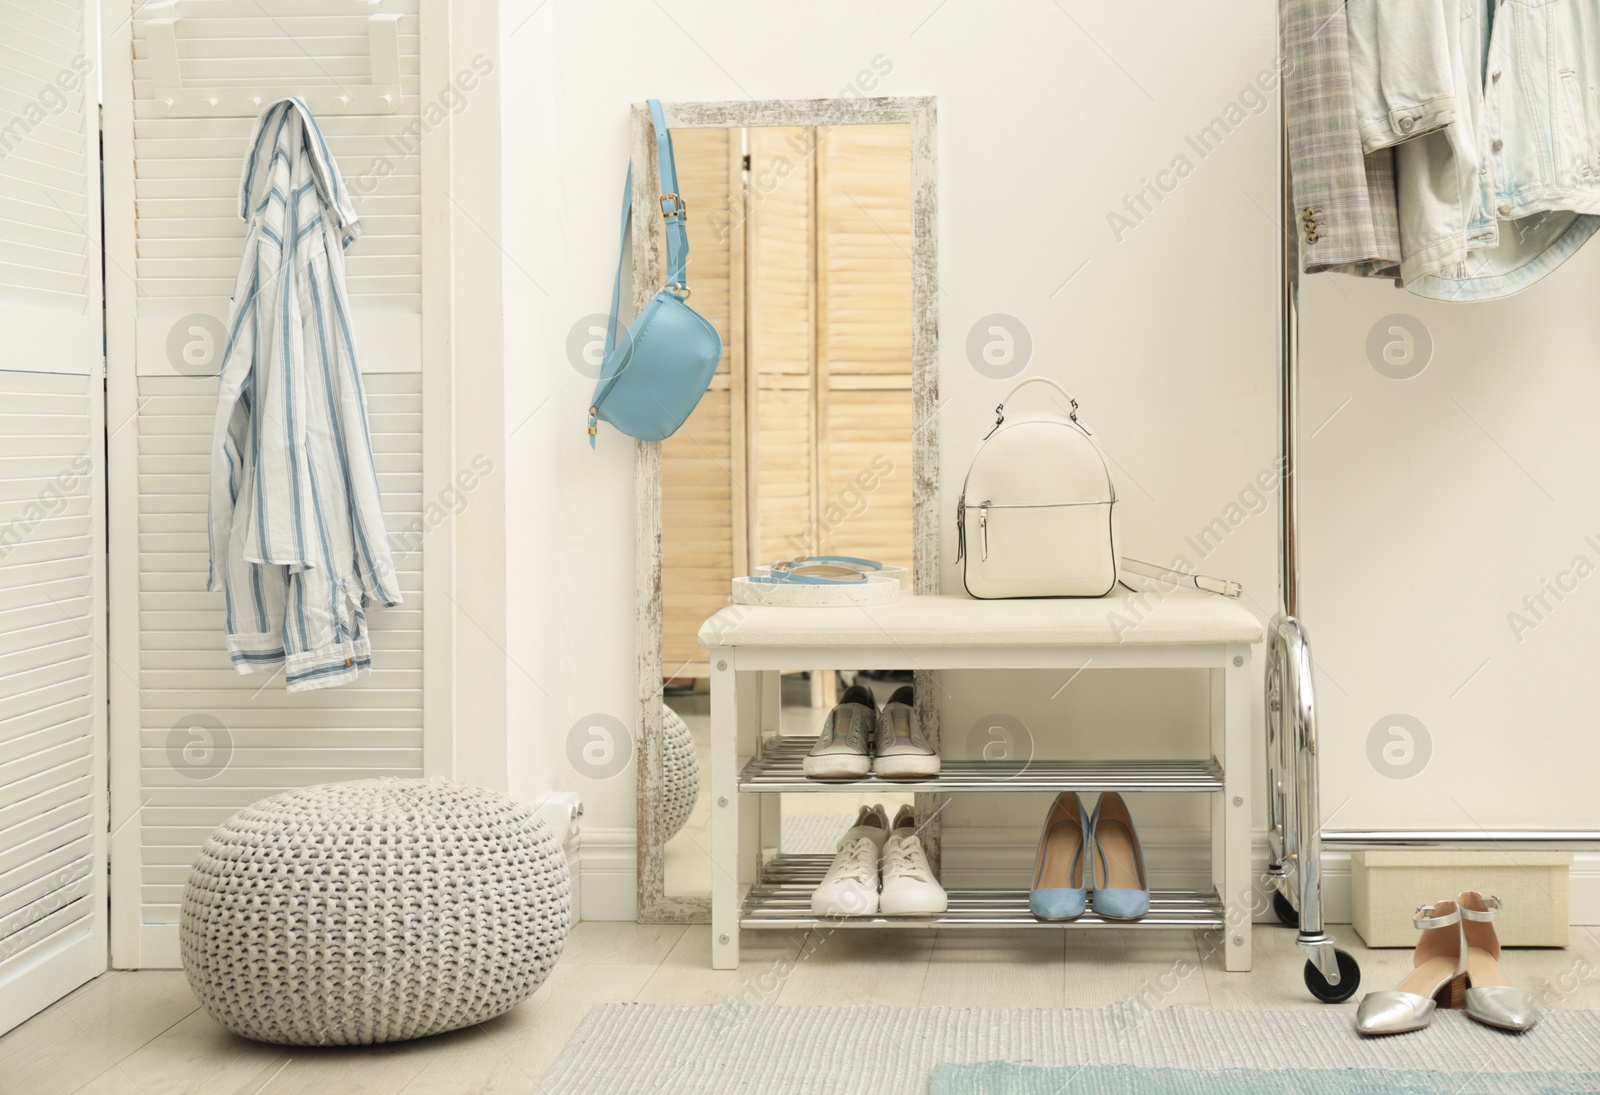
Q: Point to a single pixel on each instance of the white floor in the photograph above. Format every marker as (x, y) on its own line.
(143, 1034)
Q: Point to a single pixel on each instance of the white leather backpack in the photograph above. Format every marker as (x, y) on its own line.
(1038, 510)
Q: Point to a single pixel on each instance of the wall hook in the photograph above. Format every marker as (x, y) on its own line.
(380, 96)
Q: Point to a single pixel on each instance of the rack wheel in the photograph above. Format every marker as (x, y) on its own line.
(1285, 909)
(1349, 980)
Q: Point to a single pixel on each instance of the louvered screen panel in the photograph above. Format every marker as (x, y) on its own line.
(701, 511)
(49, 200)
(864, 335)
(781, 344)
(50, 783)
(187, 168)
(866, 508)
(211, 740)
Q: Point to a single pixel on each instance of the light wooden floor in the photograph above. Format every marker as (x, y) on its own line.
(143, 1034)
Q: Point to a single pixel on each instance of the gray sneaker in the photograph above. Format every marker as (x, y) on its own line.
(844, 748)
(902, 751)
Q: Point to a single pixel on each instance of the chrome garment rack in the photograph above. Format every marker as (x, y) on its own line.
(1294, 817)
(1294, 832)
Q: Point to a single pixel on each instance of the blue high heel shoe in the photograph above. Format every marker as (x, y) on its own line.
(1058, 891)
(1121, 891)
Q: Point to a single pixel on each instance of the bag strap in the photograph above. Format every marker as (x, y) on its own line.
(1177, 578)
(1000, 408)
(1021, 384)
(673, 214)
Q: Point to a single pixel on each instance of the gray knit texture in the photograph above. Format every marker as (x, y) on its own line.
(680, 773)
(373, 911)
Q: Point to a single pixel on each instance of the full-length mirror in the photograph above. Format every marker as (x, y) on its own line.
(803, 253)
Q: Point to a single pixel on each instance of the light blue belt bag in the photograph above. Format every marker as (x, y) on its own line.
(653, 379)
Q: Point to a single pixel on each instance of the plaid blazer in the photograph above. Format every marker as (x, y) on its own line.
(1344, 202)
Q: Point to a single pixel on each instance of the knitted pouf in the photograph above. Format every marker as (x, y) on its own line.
(373, 911)
(680, 772)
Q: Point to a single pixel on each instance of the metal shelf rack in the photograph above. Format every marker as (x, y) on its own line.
(778, 769)
(782, 899)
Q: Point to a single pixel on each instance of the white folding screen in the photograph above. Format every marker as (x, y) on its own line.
(52, 499)
(192, 740)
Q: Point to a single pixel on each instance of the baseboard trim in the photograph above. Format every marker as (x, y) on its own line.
(607, 875)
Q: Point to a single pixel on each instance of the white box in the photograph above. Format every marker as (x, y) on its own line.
(1387, 886)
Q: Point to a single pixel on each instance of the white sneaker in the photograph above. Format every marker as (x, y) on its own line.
(850, 888)
(909, 888)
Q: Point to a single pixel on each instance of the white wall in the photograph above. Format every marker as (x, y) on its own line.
(481, 527)
(507, 250)
(1433, 507)
(1163, 325)
(536, 406)
(1041, 136)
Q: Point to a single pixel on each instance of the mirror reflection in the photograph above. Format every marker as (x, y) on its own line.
(800, 255)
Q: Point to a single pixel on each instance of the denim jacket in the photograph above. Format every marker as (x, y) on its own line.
(1493, 108)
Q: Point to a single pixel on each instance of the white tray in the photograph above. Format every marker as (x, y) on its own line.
(876, 590)
(900, 574)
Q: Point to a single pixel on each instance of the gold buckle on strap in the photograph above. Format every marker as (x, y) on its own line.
(679, 206)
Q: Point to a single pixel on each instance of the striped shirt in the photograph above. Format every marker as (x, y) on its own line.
(298, 546)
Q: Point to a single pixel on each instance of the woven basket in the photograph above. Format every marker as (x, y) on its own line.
(680, 772)
(373, 911)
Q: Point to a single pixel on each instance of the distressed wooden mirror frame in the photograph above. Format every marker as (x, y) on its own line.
(654, 904)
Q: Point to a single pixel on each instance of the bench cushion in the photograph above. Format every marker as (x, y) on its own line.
(1181, 617)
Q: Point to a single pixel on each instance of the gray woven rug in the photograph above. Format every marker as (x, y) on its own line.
(882, 1050)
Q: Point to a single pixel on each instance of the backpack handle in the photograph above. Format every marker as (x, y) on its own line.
(1000, 408)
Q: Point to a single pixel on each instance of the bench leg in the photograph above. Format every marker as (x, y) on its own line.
(1238, 757)
(724, 812)
(771, 806)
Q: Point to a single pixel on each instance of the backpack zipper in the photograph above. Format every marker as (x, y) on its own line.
(983, 520)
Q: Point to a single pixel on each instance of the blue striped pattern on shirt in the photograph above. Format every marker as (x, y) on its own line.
(296, 522)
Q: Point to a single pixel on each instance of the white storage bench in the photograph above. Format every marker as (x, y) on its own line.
(754, 885)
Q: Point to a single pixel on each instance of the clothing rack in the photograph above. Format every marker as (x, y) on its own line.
(1294, 833)
(1294, 818)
